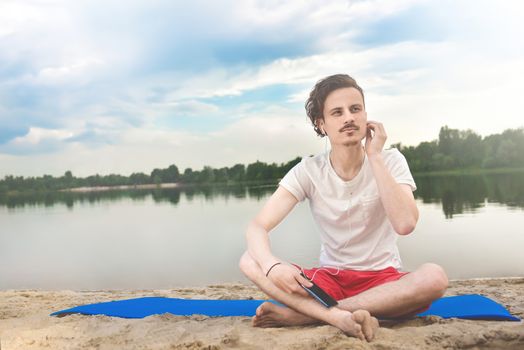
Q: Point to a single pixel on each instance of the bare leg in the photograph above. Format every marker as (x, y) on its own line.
(393, 299)
(358, 324)
(403, 297)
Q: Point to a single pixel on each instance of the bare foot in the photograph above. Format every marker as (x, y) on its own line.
(344, 321)
(359, 324)
(369, 323)
(271, 315)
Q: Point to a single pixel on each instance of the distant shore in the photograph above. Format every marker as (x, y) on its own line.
(25, 323)
(86, 189)
(121, 187)
(9, 190)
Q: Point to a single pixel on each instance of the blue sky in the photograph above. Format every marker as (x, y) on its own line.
(99, 87)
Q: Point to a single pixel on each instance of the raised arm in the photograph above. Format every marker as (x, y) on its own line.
(397, 199)
(274, 211)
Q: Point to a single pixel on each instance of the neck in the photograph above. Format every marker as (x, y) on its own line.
(347, 160)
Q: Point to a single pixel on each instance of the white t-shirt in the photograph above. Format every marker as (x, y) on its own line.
(355, 232)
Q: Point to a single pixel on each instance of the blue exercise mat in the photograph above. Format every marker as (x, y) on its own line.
(464, 306)
(472, 306)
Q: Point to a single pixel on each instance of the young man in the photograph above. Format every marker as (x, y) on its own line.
(361, 198)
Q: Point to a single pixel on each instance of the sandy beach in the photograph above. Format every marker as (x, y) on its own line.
(25, 324)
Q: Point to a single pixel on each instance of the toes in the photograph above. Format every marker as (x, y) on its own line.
(264, 317)
(369, 324)
(264, 322)
(358, 332)
(373, 322)
(259, 310)
(368, 330)
(369, 335)
(361, 316)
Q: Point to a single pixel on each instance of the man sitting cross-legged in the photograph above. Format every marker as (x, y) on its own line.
(361, 198)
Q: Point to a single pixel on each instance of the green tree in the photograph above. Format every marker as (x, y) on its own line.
(139, 179)
(237, 172)
(188, 176)
(221, 175)
(171, 174)
(207, 175)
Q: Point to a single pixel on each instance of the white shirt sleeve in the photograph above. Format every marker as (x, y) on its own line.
(399, 169)
(297, 181)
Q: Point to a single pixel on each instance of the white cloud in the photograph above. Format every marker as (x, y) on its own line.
(36, 135)
(36, 140)
(191, 107)
(469, 79)
(274, 135)
(14, 14)
(324, 17)
(79, 72)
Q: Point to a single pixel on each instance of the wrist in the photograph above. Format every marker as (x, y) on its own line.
(375, 157)
(269, 263)
(272, 267)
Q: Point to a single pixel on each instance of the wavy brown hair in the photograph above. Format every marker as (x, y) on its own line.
(317, 97)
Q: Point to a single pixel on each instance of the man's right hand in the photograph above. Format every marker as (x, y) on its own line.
(288, 278)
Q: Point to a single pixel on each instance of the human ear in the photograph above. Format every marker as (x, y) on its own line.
(321, 127)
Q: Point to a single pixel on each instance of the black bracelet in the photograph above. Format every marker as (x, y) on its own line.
(267, 273)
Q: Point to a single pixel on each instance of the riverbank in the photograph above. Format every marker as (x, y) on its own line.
(122, 187)
(6, 191)
(25, 324)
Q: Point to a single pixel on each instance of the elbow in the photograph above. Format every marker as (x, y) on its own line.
(406, 227)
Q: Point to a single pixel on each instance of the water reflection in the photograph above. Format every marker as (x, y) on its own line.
(467, 193)
(458, 194)
(171, 195)
(160, 239)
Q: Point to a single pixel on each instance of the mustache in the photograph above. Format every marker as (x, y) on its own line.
(349, 126)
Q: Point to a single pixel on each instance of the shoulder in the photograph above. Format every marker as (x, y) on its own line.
(314, 163)
(306, 167)
(310, 167)
(394, 160)
(314, 160)
(392, 155)
(299, 179)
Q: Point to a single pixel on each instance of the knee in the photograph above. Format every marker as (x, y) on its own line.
(248, 266)
(434, 281)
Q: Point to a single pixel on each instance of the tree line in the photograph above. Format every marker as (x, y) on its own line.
(465, 149)
(454, 149)
(239, 173)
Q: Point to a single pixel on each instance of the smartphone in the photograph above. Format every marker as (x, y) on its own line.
(319, 294)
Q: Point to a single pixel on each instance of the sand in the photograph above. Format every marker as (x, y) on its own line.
(25, 324)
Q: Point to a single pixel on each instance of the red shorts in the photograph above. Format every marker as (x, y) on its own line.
(342, 284)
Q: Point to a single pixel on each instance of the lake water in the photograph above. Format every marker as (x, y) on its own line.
(470, 225)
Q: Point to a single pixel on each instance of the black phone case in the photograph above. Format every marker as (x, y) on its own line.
(319, 294)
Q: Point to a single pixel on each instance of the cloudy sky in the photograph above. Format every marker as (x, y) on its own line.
(124, 86)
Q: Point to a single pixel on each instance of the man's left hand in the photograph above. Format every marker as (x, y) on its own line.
(375, 138)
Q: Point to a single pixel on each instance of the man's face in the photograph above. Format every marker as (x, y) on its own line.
(345, 118)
